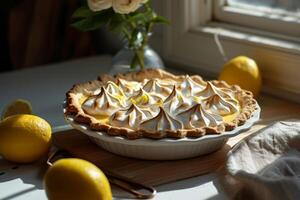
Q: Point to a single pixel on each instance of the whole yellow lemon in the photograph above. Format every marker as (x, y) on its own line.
(242, 71)
(24, 138)
(76, 179)
(19, 106)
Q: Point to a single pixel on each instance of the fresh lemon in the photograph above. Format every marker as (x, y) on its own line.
(242, 71)
(19, 106)
(24, 138)
(76, 179)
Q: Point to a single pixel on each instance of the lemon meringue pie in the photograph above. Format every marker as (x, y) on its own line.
(156, 104)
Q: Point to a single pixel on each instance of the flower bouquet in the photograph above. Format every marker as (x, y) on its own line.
(134, 19)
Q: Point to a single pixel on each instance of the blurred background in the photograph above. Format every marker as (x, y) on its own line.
(38, 32)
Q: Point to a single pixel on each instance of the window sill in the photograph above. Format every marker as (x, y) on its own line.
(256, 38)
(277, 56)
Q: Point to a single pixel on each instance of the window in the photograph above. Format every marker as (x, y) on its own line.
(269, 33)
(279, 16)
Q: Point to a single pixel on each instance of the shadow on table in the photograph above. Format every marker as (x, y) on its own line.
(195, 182)
(29, 174)
(187, 183)
(220, 188)
(22, 192)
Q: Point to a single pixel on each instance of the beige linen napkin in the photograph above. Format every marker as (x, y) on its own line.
(267, 164)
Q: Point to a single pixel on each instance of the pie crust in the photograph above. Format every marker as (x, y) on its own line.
(205, 107)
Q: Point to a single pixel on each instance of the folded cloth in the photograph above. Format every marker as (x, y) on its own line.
(267, 164)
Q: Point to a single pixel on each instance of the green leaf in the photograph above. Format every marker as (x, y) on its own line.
(141, 18)
(83, 12)
(87, 24)
(161, 20)
(116, 23)
(94, 21)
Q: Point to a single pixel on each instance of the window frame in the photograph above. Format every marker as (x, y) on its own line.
(271, 21)
(189, 44)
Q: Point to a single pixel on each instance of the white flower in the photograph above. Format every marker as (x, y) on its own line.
(98, 5)
(126, 6)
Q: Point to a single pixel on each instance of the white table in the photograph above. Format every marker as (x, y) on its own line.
(45, 88)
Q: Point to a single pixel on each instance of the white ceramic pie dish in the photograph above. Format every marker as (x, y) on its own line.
(161, 149)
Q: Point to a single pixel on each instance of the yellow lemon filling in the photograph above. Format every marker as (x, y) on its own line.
(82, 99)
(102, 118)
(231, 117)
(140, 100)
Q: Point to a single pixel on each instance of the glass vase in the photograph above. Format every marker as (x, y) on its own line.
(121, 62)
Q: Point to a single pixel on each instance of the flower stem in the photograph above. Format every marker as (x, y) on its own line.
(134, 61)
(130, 32)
(140, 55)
(126, 33)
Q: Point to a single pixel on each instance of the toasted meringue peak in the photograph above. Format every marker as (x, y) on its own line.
(173, 94)
(153, 86)
(128, 118)
(211, 90)
(222, 106)
(102, 104)
(210, 119)
(114, 90)
(143, 98)
(161, 122)
(197, 117)
(176, 102)
(189, 87)
(147, 102)
(150, 111)
(208, 91)
(128, 87)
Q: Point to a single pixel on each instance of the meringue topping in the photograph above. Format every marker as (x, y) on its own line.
(197, 117)
(102, 104)
(221, 106)
(189, 87)
(128, 87)
(161, 122)
(211, 90)
(153, 86)
(176, 102)
(158, 104)
(128, 118)
(145, 99)
(116, 92)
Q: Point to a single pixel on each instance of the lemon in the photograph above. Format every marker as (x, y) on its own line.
(76, 179)
(242, 71)
(24, 138)
(19, 106)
